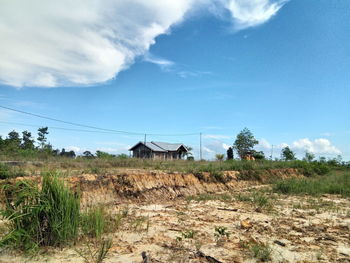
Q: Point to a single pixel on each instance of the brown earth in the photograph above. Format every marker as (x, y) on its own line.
(170, 228)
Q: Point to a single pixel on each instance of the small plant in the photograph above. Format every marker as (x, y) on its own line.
(188, 234)
(139, 223)
(221, 232)
(93, 222)
(261, 251)
(97, 254)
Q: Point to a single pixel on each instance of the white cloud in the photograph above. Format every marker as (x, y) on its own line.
(162, 62)
(76, 149)
(252, 12)
(84, 42)
(317, 146)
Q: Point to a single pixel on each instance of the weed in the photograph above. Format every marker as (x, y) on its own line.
(186, 234)
(260, 251)
(330, 184)
(207, 197)
(221, 232)
(96, 254)
(46, 217)
(139, 223)
(93, 222)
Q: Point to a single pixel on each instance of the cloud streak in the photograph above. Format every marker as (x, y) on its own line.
(86, 42)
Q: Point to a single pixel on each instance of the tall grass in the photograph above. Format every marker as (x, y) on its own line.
(46, 217)
(330, 184)
(93, 222)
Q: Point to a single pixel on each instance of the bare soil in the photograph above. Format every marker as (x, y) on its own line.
(169, 227)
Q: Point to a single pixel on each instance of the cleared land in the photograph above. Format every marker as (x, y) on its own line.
(177, 217)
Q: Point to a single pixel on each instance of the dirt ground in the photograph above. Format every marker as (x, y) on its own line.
(241, 223)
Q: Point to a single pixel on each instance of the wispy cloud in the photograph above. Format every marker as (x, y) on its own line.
(250, 13)
(162, 62)
(216, 136)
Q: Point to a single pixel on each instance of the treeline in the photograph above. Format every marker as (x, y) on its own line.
(244, 148)
(27, 146)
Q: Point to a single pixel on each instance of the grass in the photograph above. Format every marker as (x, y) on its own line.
(7, 172)
(261, 251)
(331, 184)
(258, 198)
(93, 222)
(40, 217)
(253, 169)
(96, 254)
(207, 197)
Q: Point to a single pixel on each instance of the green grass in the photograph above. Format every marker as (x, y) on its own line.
(207, 197)
(40, 217)
(331, 184)
(7, 172)
(262, 252)
(258, 198)
(93, 222)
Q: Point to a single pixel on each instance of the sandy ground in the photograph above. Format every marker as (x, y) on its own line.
(287, 229)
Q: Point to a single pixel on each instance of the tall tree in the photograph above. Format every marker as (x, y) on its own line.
(229, 153)
(309, 157)
(42, 132)
(27, 141)
(287, 154)
(245, 142)
(13, 141)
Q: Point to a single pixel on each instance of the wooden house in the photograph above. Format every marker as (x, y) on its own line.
(159, 150)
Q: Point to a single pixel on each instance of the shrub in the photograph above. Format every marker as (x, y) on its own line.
(46, 217)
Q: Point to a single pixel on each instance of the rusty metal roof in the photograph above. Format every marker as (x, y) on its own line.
(161, 146)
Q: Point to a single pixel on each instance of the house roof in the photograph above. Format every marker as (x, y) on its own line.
(161, 146)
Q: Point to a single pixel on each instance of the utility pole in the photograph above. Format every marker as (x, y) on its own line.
(200, 146)
(144, 146)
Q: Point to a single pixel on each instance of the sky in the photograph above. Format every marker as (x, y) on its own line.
(175, 68)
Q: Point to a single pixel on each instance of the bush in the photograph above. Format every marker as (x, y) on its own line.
(46, 217)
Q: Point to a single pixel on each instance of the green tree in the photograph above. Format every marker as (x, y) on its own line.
(229, 153)
(309, 157)
(13, 141)
(219, 157)
(258, 155)
(88, 154)
(27, 141)
(245, 142)
(42, 132)
(287, 154)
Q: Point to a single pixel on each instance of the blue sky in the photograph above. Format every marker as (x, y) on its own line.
(280, 68)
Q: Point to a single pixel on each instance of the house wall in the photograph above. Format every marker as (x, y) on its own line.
(142, 152)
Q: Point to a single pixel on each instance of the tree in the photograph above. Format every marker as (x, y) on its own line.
(219, 157)
(42, 132)
(229, 153)
(88, 154)
(258, 155)
(287, 154)
(244, 142)
(13, 141)
(309, 157)
(27, 141)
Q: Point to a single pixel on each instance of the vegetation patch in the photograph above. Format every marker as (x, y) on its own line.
(331, 184)
(46, 217)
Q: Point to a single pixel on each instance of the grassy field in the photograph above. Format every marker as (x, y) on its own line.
(334, 183)
(100, 166)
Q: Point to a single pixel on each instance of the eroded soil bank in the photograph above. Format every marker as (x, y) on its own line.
(171, 228)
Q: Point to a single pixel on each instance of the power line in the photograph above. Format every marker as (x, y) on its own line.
(93, 127)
